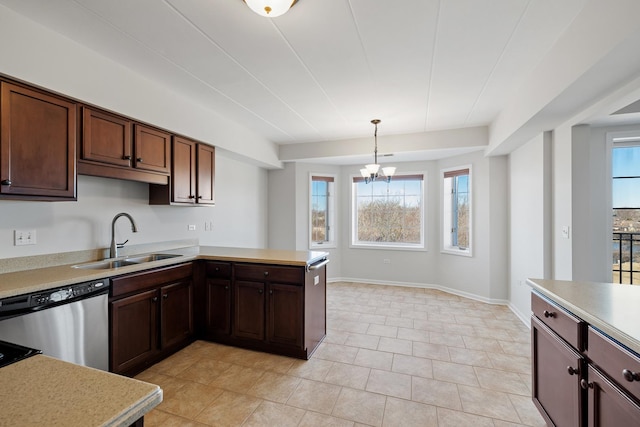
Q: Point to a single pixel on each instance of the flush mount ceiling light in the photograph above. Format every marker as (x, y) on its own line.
(270, 8)
(370, 172)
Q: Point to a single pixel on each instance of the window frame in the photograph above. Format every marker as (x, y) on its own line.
(355, 244)
(331, 212)
(446, 220)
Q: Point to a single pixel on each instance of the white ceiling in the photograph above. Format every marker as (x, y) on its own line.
(322, 71)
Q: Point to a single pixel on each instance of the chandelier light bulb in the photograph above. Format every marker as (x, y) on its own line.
(389, 171)
(270, 8)
(372, 169)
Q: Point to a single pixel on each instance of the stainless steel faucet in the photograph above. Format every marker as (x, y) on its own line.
(113, 251)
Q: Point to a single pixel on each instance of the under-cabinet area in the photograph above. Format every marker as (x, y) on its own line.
(582, 376)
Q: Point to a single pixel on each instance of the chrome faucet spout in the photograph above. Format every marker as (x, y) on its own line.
(113, 249)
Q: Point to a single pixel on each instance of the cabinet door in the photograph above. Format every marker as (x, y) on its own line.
(218, 307)
(206, 174)
(176, 318)
(183, 173)
(248, 310)
(557, 371)
(133, 334)
(608, 405)
(106, 138)
(152, 150)
(37, 144)
(285, 315)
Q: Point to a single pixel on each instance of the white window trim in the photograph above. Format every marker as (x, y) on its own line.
(444, 220)
(418, 247)
(333, 232)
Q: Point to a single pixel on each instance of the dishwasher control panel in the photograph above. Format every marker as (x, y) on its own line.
(42, 299)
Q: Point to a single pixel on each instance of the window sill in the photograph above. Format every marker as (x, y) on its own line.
(388, 247)
(466, 253)
(325, 246)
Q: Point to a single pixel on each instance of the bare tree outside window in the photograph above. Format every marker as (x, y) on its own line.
(389, 213)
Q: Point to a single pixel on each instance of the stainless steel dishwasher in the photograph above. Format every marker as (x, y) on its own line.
(69, 323)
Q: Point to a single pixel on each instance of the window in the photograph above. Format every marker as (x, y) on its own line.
(456, 212)
(388, 215)
(321, 229)
(625, 174)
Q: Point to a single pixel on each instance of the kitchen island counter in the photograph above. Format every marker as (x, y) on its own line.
(609, 307)
(42, 390)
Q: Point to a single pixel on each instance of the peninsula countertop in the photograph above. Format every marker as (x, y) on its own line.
(50, 277)
(609, 307)
(42, 390)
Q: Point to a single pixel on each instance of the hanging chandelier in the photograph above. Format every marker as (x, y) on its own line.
(270, 8)
(370, 172)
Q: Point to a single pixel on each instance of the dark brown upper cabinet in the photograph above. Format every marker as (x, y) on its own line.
(106, 138)
(192, 175)
(113, 146)
(37, 145)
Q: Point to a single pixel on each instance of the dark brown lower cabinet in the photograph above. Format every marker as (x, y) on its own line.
(273, 308)
(151, 316)
(598, 386)
(608, 405)
(217, 290)
(176, 313)
(134, 334)
(557, 370)
(249, 310)
(285, 309)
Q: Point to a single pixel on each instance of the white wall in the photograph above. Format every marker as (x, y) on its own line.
(282, 207)
(529, 220)
(484, 274)
(562, 254)
(289, 210)
(591, 209)
(238, 217)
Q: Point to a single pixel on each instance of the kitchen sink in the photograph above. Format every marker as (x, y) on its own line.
(150, 257)
(133, 260)
(105, 265)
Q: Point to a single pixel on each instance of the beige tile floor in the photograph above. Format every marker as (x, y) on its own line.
(393, 356)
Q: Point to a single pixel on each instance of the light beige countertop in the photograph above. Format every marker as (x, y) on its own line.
(612, 308)
(49, 277)
(43, 391)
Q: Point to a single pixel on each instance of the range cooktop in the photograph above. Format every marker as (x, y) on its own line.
(10, 353)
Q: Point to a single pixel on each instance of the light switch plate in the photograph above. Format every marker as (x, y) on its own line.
(24, 237)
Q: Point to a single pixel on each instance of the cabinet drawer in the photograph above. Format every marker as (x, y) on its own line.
(619, 363)
(565, 324)
(261, 272)
(136, 282)
(220, 270)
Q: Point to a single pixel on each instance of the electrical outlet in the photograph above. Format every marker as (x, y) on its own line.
(192, 227)
(208, 226)
(386, 261)
(24, 237)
